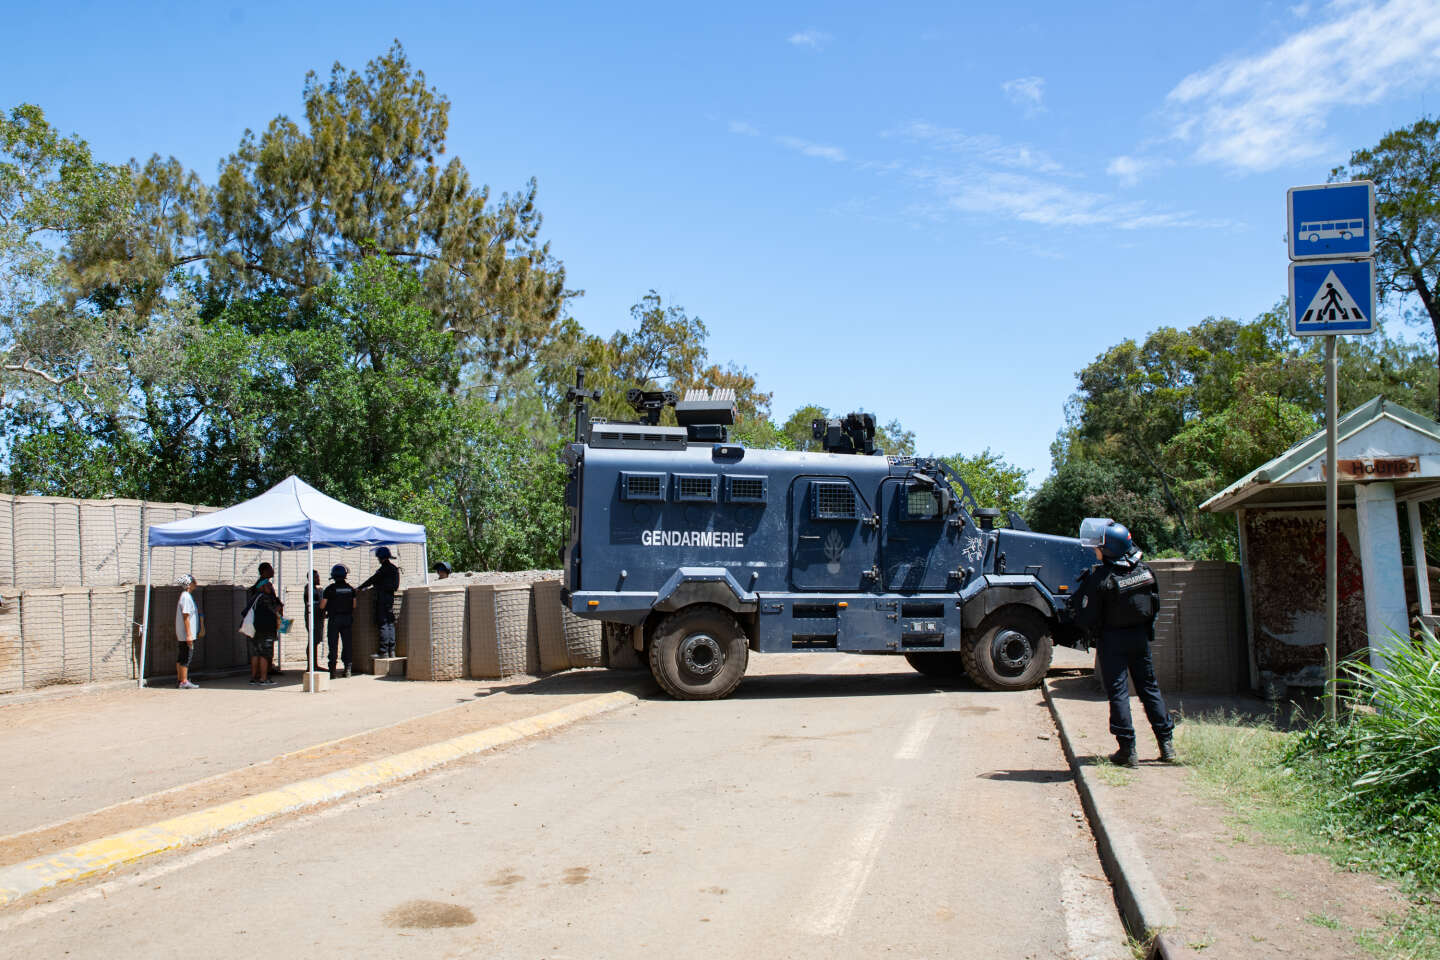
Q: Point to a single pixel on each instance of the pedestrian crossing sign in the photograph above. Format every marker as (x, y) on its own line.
(1332, 297)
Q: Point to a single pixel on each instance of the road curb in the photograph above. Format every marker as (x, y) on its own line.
(98, 856)
(1143, 903)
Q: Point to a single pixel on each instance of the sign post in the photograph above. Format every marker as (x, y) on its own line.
(1330, 229)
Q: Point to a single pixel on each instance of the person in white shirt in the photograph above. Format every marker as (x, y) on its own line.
(187, 626)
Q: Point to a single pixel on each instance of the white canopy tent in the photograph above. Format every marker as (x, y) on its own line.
(289, 516)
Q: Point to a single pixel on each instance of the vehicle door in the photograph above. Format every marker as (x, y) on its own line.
(920, 548)
(833, 538)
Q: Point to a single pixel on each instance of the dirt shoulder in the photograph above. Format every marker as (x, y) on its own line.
(1236, 894)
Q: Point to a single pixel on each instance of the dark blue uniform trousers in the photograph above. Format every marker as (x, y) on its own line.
(1125, 655)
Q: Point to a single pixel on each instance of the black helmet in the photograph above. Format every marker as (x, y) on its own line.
(339, 572)
(1117, 542)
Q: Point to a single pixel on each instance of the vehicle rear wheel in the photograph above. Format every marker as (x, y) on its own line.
(699, 653)
(942, 667)
(1011, 650)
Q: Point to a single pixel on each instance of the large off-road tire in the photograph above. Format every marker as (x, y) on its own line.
(1010, 650)
(699, 653)
(941, 666)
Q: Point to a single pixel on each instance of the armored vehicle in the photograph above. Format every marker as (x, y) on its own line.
(693, 550)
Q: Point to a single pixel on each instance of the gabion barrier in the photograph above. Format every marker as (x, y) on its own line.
(450, 630)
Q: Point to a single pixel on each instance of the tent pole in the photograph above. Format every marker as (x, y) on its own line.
(279, 586)
(425, 560)
(145, 617)
(314, 608)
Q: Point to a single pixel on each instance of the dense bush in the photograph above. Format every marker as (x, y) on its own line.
(1379, 766)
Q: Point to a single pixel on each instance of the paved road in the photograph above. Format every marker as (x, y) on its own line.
(855, 811)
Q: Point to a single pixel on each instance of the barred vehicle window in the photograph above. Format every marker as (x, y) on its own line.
(643, 486)
(747, 488)
(835, 501)
(920, 504)
(696, 488)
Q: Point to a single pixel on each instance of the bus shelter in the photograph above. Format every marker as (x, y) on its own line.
(1388, 463)
(292, 515)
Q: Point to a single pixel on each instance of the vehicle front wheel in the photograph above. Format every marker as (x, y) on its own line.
(699, 653)
(1010, 650)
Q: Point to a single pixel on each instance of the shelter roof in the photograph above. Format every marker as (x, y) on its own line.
(290, 515)
(1378, 428)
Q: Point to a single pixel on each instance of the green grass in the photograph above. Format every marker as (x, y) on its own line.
(1352, 792)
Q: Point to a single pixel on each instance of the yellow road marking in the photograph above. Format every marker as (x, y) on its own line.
(98, 856)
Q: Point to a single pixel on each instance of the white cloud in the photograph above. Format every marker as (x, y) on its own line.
(1027, 92)
(809, 149)
(1257, 113)
(812, 38)
(1127, 169)
(981, 174)
(743, 128)
(987, 147)
(1031, 199)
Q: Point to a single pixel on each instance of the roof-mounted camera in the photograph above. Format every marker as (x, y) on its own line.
(852, 433)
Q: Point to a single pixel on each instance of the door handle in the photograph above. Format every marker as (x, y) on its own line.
(809, 536)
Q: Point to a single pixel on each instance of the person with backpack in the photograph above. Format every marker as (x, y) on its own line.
(268, 607)
(337, 605)
(386, 582)
(1121, 597)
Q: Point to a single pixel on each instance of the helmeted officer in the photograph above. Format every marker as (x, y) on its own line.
(338, 605)
(386, 582)
(1121, 597)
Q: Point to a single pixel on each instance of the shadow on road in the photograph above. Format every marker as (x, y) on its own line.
(1027, 776)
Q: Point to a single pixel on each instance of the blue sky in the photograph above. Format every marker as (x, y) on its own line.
(936, 212)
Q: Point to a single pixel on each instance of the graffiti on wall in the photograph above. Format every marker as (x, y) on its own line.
(1286, 560)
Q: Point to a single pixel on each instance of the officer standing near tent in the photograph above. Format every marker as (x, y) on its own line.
(386, 582)
(1121, 596)
(337, 605)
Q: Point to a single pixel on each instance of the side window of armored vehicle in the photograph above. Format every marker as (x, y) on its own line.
(833, 500)
(690, 487)
(745, 489)
(921, 503)
(642, 486)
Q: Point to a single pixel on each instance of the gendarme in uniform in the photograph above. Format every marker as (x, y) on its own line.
(386, 582)
(1121, 597)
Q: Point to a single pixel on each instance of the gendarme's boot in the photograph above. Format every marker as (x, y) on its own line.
(1167, 750)
(1125, 756)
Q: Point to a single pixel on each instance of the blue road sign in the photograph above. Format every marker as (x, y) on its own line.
(1332, 296)
(1331, 220)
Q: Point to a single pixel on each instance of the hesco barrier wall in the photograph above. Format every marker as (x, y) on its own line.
(62, 543)
(66, 636)
(1200, 642)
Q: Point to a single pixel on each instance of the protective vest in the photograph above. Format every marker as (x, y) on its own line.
(1132, 597)
(340, 602)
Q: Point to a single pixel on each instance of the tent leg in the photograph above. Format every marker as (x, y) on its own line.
(145, 617)
(314, 610)
(279, 566)
(425, 561)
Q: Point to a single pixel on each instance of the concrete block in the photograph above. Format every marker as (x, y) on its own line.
(317, 682)
(388, 666)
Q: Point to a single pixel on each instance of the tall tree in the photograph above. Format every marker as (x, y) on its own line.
(1405, 166)
(363, 174)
